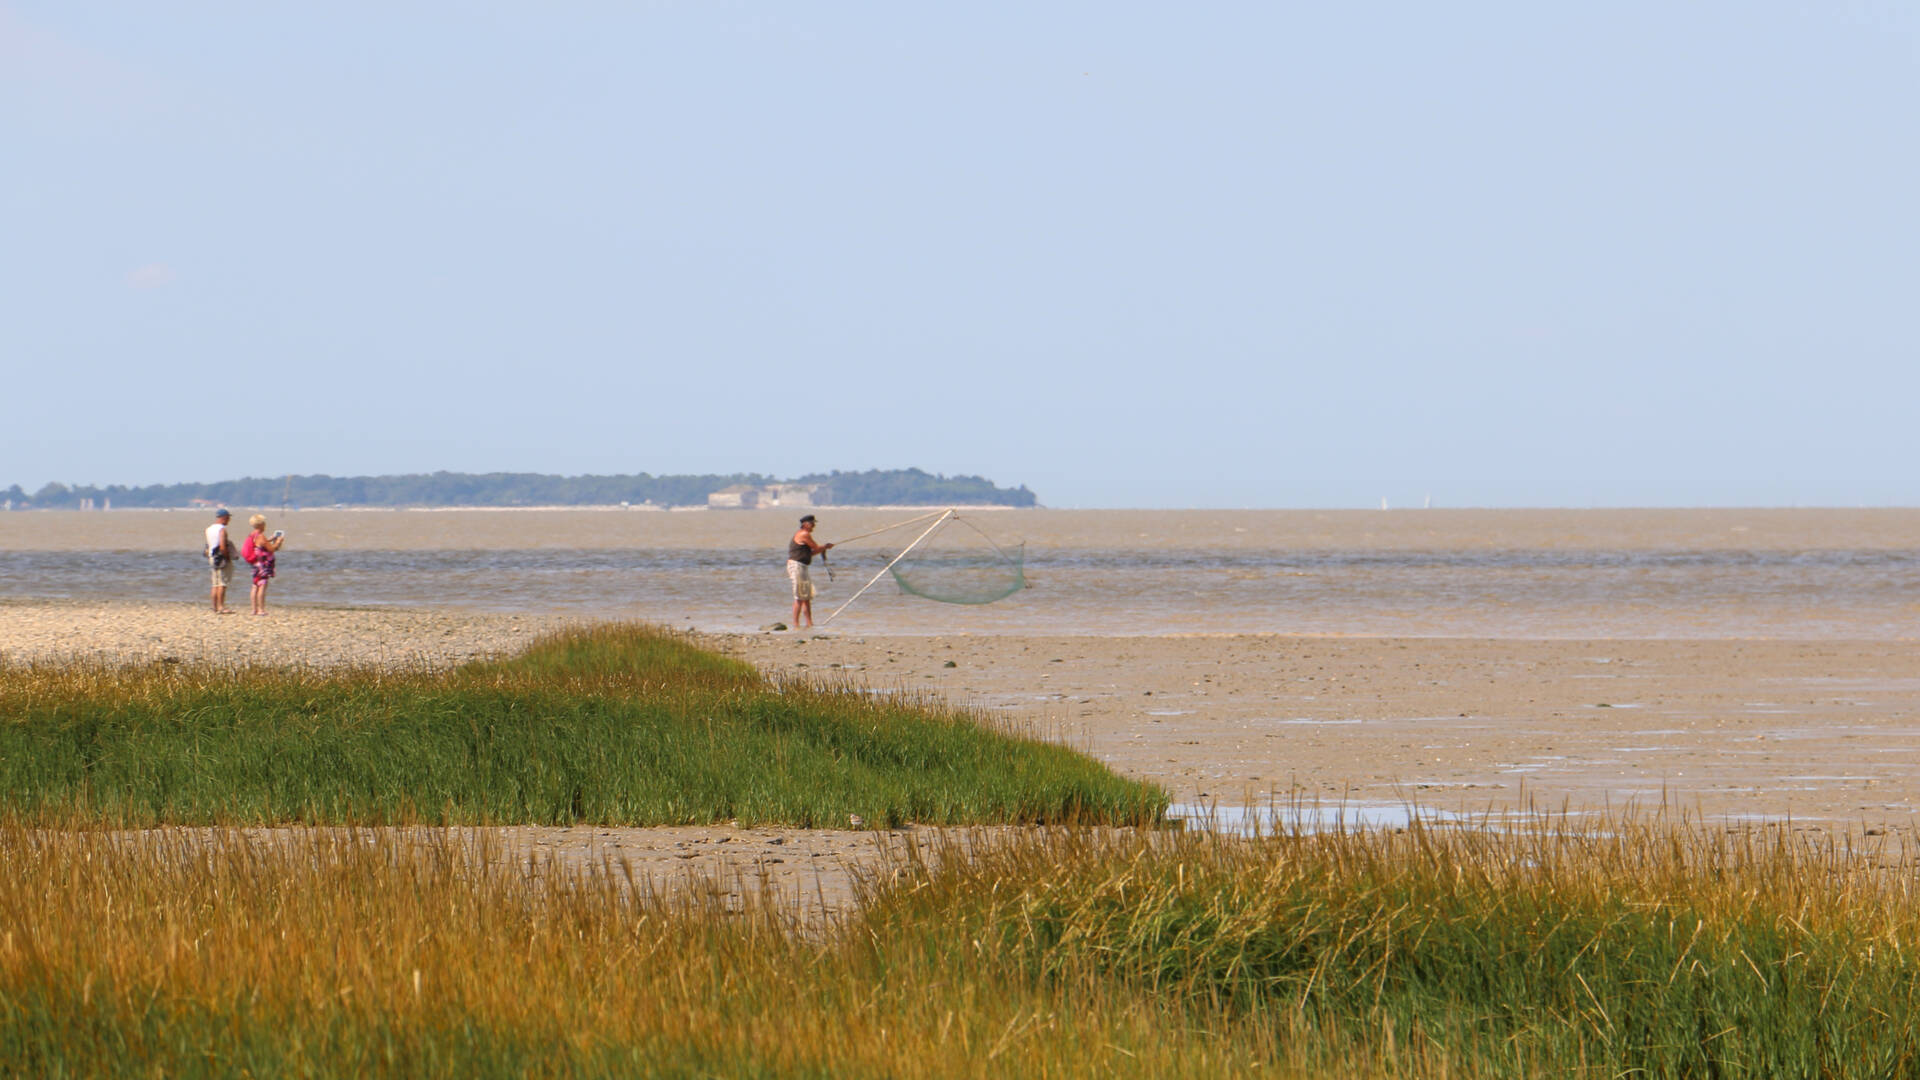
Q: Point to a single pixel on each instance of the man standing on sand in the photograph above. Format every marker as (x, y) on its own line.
(800, 552)
(220, 557)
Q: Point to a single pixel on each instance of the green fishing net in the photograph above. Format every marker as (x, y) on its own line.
(960, 564)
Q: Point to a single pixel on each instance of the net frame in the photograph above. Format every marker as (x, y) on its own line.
(941, 519)
(1009, 568)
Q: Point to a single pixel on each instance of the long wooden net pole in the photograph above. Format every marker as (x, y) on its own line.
(889, 528)
(939, 521)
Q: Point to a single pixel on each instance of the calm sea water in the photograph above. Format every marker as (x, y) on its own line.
(1697, 573)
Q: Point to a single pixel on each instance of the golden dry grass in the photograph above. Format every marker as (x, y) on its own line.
(347, 952)
(1634, 948)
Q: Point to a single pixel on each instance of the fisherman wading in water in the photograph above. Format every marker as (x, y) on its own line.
(800, 552)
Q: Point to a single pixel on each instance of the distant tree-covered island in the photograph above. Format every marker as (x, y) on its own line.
(875, 487)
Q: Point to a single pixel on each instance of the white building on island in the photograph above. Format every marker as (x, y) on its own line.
(767, 497)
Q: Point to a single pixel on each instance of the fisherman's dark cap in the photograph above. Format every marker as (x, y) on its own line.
(808, 518)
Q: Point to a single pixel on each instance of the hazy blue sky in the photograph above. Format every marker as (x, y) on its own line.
(1273, 254)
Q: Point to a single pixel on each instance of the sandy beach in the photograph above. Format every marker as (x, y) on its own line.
(306, 635)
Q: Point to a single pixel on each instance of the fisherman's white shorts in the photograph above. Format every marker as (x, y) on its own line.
(797, 571)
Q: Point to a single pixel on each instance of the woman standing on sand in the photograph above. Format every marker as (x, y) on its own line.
(258, 549)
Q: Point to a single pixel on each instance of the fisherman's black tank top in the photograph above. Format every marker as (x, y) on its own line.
(799, 552)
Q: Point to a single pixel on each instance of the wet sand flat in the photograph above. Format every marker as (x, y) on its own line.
(1812, 729)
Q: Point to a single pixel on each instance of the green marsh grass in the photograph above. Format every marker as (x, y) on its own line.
(614, 725)
(1634, 950)
(1622, 948)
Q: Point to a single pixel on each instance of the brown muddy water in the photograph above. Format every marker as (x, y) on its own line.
(1795, 574)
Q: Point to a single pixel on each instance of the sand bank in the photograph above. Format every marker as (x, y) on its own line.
(289, 634)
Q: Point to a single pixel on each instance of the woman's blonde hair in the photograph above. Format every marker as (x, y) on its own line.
(256, 521)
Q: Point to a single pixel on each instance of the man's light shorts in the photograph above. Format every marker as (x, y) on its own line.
(222, 575)
(802, 580)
